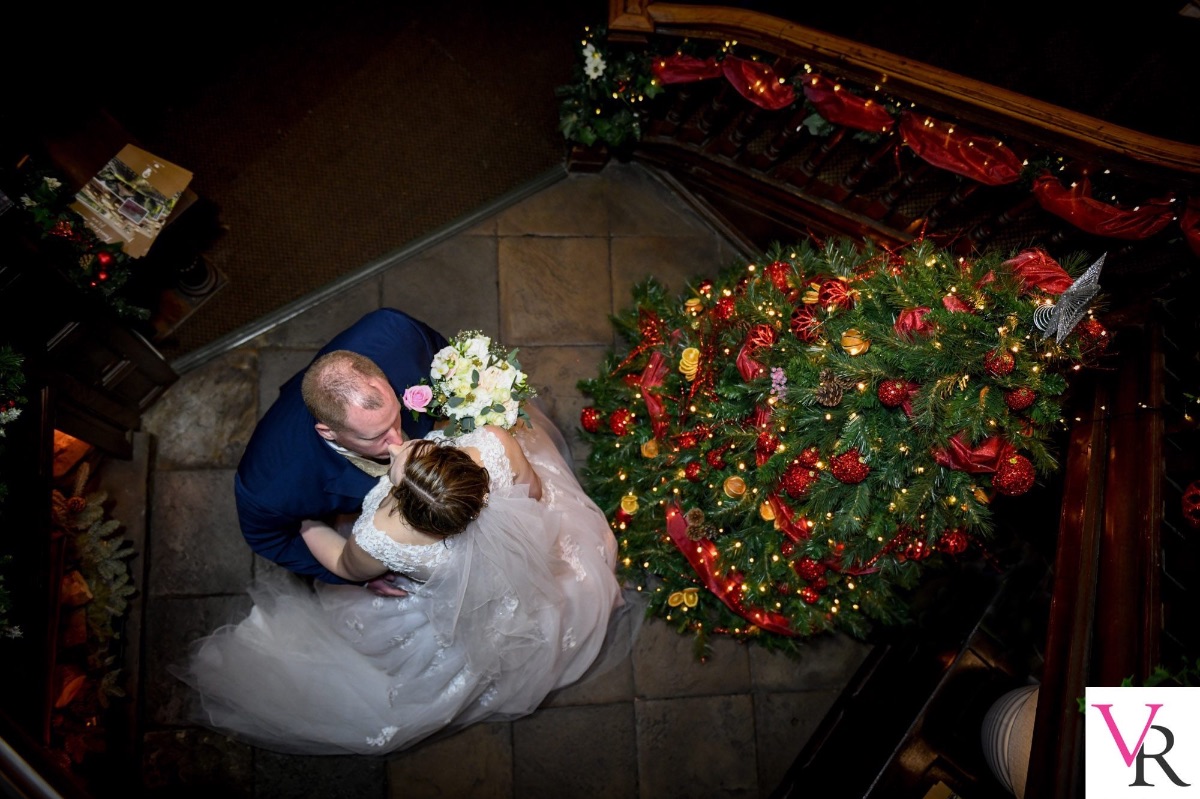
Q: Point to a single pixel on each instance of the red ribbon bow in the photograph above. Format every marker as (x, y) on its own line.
(1076, 205)
(845, 108)
(949, 147)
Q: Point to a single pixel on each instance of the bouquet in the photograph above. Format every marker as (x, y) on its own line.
(474, 381)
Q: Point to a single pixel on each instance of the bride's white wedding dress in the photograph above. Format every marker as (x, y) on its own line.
(496, 618)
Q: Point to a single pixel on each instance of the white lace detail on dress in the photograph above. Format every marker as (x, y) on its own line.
(568, 550)
(490, 450)
(415, 560)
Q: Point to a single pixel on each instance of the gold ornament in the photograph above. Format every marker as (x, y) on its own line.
(693, 306)
(766, 511)
(812, 294)
(734, 487)
(854, 342)
(688, 596)
(629, 504)
(650, 448)
(689, 362)
(981, 496)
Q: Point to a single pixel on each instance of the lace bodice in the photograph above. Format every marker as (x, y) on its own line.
(418, 561)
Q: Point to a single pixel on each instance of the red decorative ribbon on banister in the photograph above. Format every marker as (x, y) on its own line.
(652, 377)
(760, 337)
(1076, 205)
(981, 460)
(837, 105)
(755, 81)
(703, 556)
(1189, 220)
(962, 152)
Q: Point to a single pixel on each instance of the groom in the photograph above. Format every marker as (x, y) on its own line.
(299, 467)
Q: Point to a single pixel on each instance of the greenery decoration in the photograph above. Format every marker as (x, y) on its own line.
(601, 105)
(12, 383)
(781, 455)
(96, 267)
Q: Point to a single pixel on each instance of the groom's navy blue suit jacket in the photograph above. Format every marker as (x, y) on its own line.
(288, 473)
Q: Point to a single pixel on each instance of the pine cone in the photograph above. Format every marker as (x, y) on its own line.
(829, 393)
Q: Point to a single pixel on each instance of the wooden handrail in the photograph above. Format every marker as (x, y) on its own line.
(1072, 134)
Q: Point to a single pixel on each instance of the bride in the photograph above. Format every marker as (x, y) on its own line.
(509, 573)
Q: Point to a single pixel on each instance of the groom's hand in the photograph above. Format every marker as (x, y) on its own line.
(386, 586)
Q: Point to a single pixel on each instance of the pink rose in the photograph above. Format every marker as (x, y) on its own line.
(416, 398)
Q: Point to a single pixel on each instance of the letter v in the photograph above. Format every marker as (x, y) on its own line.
(1116, 734)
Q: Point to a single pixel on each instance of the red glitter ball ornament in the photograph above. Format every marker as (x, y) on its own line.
(809, 457)
(999, 362)
(621, 517)
(809, 568)
(1190, 504)
(619, 421)
(798, 480)
(1020, 398)
(716, 458)
(952, 542)
(692, 471)
(724, 309)
(820, 583)
(778, 273)
(591, 419)
(1092, 334)
(810, 595)
(787, 549)
(849, 468)
(892, 393)
(688, 441)
(1014, 476)
(765, 446)
(705, 287)
(805, 325)
(835, 294)
(917, 549)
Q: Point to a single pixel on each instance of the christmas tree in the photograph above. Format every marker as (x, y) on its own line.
(786, 449)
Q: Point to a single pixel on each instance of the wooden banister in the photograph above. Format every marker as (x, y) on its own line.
(970, 101)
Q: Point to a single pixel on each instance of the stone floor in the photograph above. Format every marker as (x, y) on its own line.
(542, 275)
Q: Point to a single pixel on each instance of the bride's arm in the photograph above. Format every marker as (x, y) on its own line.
(523, 472)
(340, 555)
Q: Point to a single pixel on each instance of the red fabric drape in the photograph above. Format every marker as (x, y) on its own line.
(652, 377)
(911, 321)
(755, 81)
(793, 526)
(1076, 205)
(844, 108)
(1037, 270)
(980, 460)
(703, 556)
(948, 146)
(759, 337)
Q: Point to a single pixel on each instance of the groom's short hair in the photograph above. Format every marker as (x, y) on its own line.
(337, 380)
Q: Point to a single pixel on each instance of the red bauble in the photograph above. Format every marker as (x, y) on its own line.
(688, 441)
(809, 568)
(724, 309)
(797, 481)
(619, 421)
(835, 294)
(778, 273)
(591, 419)
(893, 393)
(1014, 476)
(952, 542)
(849, 468)
(787, 549)
(765, 446)
(692, 471)
(716, 458)
(999, 362)
(621, 517)
(809, 457)
(820, 583)
(104, 258)
(805, 325)
(1020, 398)
(1190, 504)
(809, 595)
(917, 549)
(705, 287)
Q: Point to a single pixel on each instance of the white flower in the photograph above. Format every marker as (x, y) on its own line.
(53, 183)
(485, 383)
(25, 201)
(593, 63)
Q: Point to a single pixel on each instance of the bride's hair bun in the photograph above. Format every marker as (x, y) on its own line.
(442, 489)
